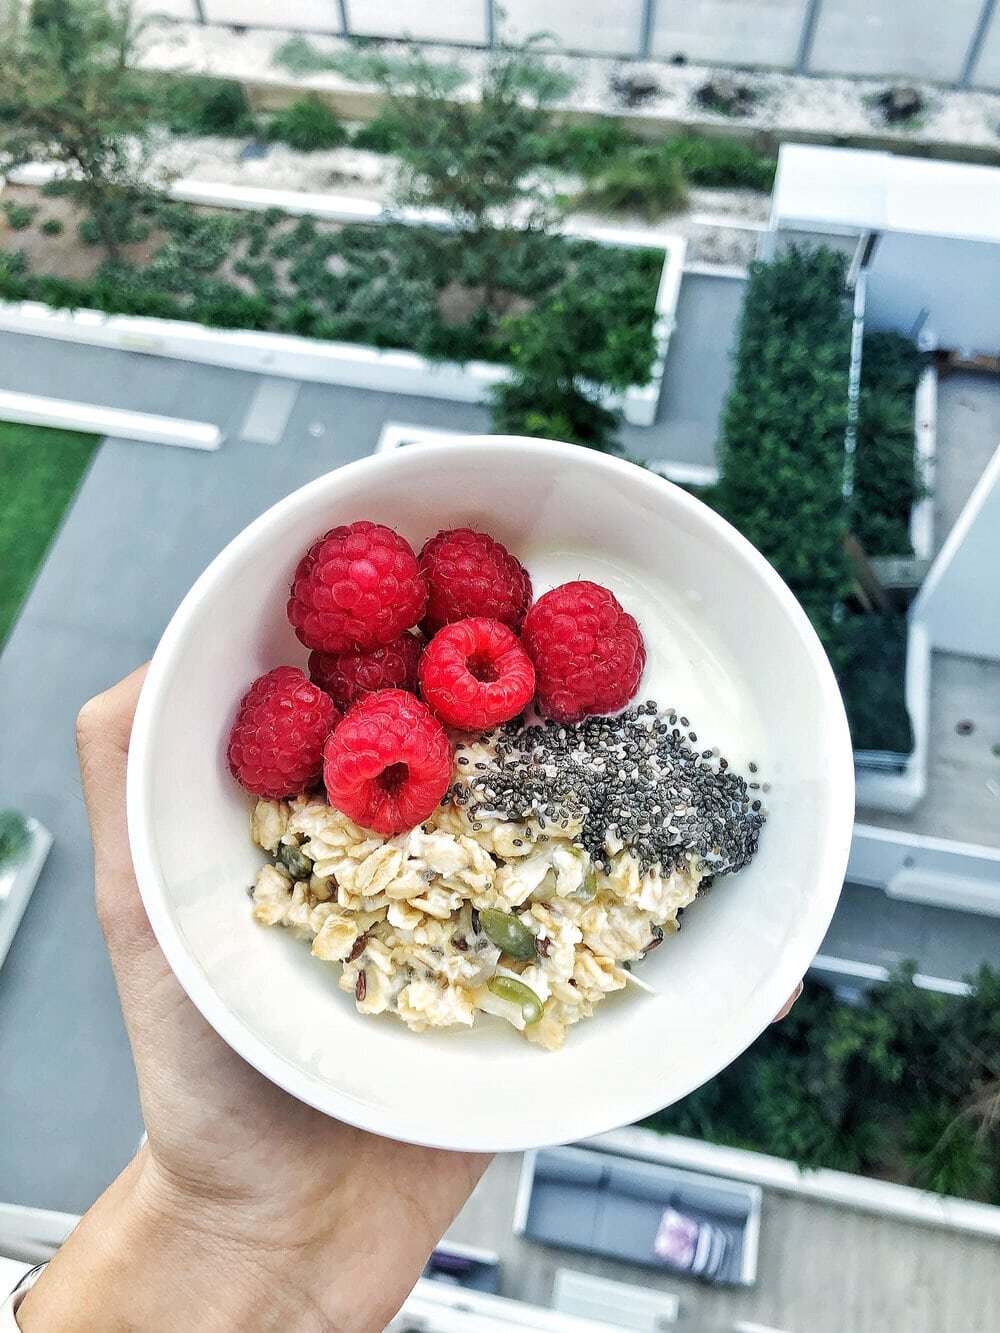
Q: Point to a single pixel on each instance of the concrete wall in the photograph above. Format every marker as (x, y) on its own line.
(956, 281)
(959, 602)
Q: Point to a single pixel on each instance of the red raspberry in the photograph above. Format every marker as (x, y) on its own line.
(388, 763)
(475, 674)
(356, 587)
(276, 744)
(347, 676)
(587, 650)
(470, 574)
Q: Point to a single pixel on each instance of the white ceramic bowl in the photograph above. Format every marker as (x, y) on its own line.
(728, 646)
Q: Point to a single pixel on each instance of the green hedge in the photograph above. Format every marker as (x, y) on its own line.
(781, 452)
(902, 1088)
(782, 470)
(887, 481)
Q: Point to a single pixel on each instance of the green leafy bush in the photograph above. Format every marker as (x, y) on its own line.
(905, 1086)
(886, 477)
(587, 149)
(14, 838)
(51, 227)
(19, 216)
(871, 668)
(307, 125)
(724, 163)
(562, 353)
(201, 104)
(384, 133)
(642, 180)
(781, 453)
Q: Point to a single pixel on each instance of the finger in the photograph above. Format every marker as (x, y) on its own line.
(103, 729)
(786, 1008)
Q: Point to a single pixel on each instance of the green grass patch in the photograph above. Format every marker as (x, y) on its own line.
(42, 470)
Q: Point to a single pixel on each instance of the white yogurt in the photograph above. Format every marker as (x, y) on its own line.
(688, 665)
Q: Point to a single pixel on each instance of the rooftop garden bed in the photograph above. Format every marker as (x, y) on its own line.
(904, 1088)
(391, 285)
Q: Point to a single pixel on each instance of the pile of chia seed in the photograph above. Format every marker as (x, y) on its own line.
(638, 775)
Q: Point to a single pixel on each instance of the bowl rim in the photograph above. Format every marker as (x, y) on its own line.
(836, 828)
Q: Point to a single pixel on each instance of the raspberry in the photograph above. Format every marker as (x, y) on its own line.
(347, 676)
(474, 673)
(470, 574)
(356, 587)
(276, 744)
(587, 650)
(388, 763)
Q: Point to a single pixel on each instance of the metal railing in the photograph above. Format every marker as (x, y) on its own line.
(957, 44)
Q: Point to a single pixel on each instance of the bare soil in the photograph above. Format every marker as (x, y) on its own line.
(65, 255)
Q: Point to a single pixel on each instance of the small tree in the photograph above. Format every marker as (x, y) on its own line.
(476, 159)
(562, 357)
(71, 97)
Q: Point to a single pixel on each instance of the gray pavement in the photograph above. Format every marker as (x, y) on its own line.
(822, 1269)
(870, 927)
(146, 521)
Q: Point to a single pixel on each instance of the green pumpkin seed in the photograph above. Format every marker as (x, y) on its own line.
(297, 865)
(510, 935)
(507, 988)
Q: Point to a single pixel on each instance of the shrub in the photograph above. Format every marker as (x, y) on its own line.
(384, 133)
(14, 838)
(562, 353)
(643, 180)
(847, 1087)
(201, 104)
(871, 668)
(19, 216)
(886, 478)
(723, 163)
(307, 125)
(585, 149)
(781, 453)
(51, 227)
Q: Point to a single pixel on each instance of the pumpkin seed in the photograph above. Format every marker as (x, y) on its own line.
(507, 988)
(510, 935)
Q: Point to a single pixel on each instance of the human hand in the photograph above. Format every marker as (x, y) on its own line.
(246, 1209)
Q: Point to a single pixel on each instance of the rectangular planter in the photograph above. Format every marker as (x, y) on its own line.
(17, 883)
(349, 364)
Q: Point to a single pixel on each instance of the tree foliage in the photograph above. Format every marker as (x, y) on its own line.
(906, 1085)
(71, 97)
(781, 453)
(476, 159)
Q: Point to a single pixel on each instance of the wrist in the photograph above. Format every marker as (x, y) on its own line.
(150, 1255)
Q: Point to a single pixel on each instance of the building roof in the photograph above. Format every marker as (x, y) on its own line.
(876, 191)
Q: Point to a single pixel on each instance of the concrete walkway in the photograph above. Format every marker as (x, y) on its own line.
(147, 520)
(822, 1269)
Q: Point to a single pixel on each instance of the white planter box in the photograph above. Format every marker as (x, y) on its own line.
(17, 883)
(347, 364)
(834, 1187)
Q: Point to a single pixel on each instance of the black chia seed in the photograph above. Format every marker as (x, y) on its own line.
(634, 776)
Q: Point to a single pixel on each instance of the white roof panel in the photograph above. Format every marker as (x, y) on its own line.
(879, 192)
